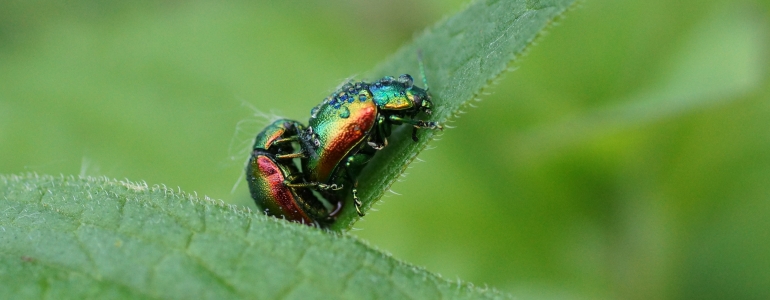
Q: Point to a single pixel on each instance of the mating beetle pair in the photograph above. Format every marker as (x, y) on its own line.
(342, 135)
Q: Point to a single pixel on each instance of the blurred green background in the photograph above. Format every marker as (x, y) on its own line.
(627, 157)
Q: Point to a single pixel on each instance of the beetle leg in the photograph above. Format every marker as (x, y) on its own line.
(384, 127)
(430, 125)
(291, 155)
(296, 185)
(286, 140)
(319, 185)
(333, 187)
(353, 166)
(336, 211)
(379, 133)
(416, 123)
(356, 201)
(290, 178)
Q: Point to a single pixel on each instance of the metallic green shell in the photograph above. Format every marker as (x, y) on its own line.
(266, 182)
(337, 128)
(391, 94)
(345, 121)
(267, 177)
(281, 128)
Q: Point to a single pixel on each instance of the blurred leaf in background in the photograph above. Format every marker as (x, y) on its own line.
(627, 157)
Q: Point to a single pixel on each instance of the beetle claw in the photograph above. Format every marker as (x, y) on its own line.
(378, 146)
(375, 145)
(333, 187)
(429, 125)
(357, 203)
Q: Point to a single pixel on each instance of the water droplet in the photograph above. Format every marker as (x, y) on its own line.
(344, 112)
(314, 112)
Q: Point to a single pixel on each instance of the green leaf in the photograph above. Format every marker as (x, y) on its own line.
(693, 81)
(462, 55)
(98, 238)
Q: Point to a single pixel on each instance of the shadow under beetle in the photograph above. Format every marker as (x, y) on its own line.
(344, 132)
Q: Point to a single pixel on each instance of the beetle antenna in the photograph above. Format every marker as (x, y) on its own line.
(422, 69)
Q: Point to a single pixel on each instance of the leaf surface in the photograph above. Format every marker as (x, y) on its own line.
(97, 238)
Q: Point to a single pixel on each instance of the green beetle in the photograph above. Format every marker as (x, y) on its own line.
(350, 125)
(276, 184)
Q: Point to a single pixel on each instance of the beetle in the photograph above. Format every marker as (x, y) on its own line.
(276, 183)
(349, 126)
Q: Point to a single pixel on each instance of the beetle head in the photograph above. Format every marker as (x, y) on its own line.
(420, 98)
